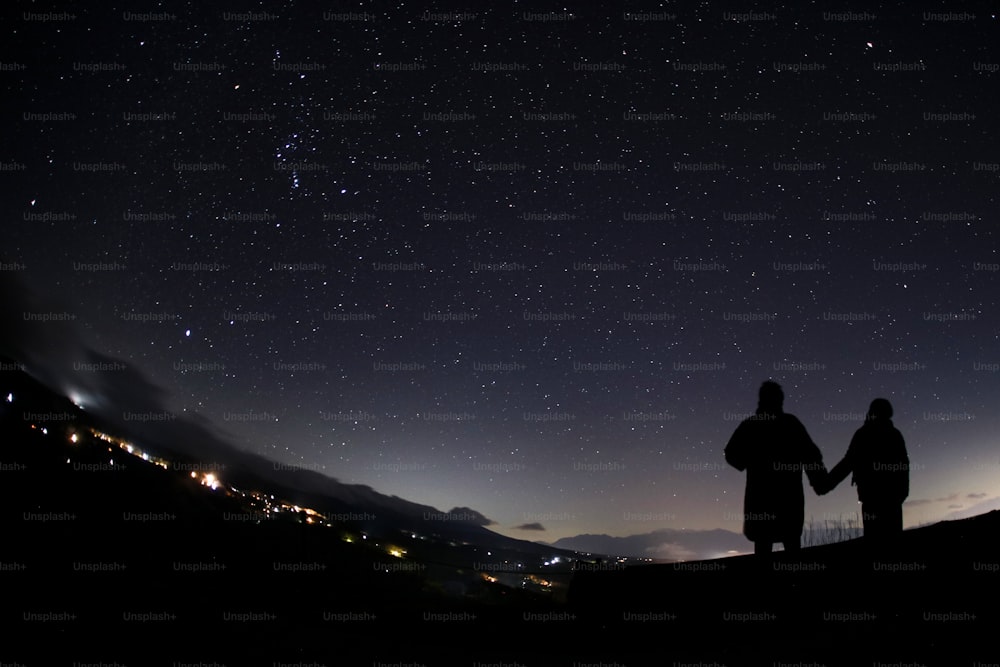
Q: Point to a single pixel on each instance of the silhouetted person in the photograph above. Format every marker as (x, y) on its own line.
(877, 457)
(774, 448)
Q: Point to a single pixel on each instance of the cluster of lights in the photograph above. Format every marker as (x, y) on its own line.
(208, 479)
(270, 506)
(130, 448)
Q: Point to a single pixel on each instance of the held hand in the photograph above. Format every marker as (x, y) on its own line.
(823, 485)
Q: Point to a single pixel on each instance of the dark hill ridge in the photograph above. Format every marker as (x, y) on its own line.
(357, 504)
(104, 541)
(140, 551)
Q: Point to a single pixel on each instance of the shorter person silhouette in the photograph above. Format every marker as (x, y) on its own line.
(877, 457)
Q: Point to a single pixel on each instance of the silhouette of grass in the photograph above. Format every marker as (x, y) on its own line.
(830, 531)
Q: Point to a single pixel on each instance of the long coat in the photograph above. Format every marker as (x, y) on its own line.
(774, 449)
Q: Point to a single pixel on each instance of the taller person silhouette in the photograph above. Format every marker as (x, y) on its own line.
(877, 457)
(775, 449)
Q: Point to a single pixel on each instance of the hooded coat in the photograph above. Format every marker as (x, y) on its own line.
(774, 449)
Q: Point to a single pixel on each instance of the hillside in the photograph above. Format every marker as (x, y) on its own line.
(108, 544)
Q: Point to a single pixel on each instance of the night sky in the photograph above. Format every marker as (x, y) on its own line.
(533, 260)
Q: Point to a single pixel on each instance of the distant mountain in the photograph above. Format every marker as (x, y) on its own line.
(666, 544)
(192, 445)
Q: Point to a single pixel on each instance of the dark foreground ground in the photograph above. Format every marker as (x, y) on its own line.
(101, 589)
(148, 594)
(929, 599)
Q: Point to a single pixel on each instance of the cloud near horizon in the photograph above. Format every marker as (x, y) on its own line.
(950, 498)
(530, 526)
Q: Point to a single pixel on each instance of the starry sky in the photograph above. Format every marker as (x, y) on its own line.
(534, 260)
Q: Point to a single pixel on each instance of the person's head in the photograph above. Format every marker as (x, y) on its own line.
(880, 409)
(770, 397)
